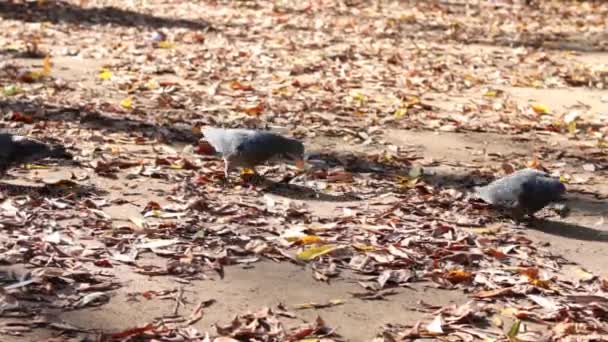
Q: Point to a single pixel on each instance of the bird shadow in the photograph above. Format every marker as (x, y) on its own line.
(63, 11)
(102, 121)
(304, 193)
(61, 189)
(570, 230)
(585, 203)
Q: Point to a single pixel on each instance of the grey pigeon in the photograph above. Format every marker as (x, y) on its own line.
(522, 193)
(248, 148)
(17, 149)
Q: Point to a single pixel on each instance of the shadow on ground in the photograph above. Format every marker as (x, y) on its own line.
(563, 40)
(62, 11)
(62, 189)
(584, 204)
(299, 192)
(107, 121)
(571, 231)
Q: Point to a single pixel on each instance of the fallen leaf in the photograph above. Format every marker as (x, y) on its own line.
(316, 251)
(255, 110)
(458, 276)
(435, 327)
(514, 330)
(105, 74)
(127, 103)
(312, 305)
(46, 66)
(166, 45)
(540, 109)
(236, 85)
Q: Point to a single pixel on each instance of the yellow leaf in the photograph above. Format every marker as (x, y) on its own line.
(602, 143)
(247, 171)
(46, 66)
(572, 127)
(563, 179)
(364, 248)
(316, 251)
(359, 97)
(152, 84)
(490, 93)
(105, 74)
(35, 75)
(309, 239)
(401, 112)
(127, 103)
(486, 231)
(540, 109)
(166, 45)
(35, 167)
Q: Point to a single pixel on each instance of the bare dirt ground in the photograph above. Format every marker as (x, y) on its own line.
(140, 238)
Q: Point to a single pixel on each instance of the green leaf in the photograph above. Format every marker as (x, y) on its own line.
(11, 90)
(512, 334)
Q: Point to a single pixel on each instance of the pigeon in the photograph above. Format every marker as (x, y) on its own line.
(17, 149)
(522, 193)
(248, 148)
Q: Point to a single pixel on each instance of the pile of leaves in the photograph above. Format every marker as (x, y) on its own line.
(338, 75)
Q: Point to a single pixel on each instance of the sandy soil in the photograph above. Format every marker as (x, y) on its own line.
(580, 238)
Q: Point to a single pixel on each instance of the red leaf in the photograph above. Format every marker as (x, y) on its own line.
(133, 331)
(103, 263)
(19, 117)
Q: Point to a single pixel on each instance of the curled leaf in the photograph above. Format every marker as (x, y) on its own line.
(540, 109)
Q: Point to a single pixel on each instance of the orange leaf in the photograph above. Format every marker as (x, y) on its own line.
(530, 272)
(340, 176)
(254, 111)
(46, 66)
(495, 253)
(309, 239)
(493, 293)
(457, 276)
(236, 85)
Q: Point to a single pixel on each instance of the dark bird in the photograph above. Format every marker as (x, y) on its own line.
(17, 149)
(248, 148)
(522, 193)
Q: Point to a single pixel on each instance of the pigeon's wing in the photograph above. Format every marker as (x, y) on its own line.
(503, 192)
(261, 147)
(226, 141)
